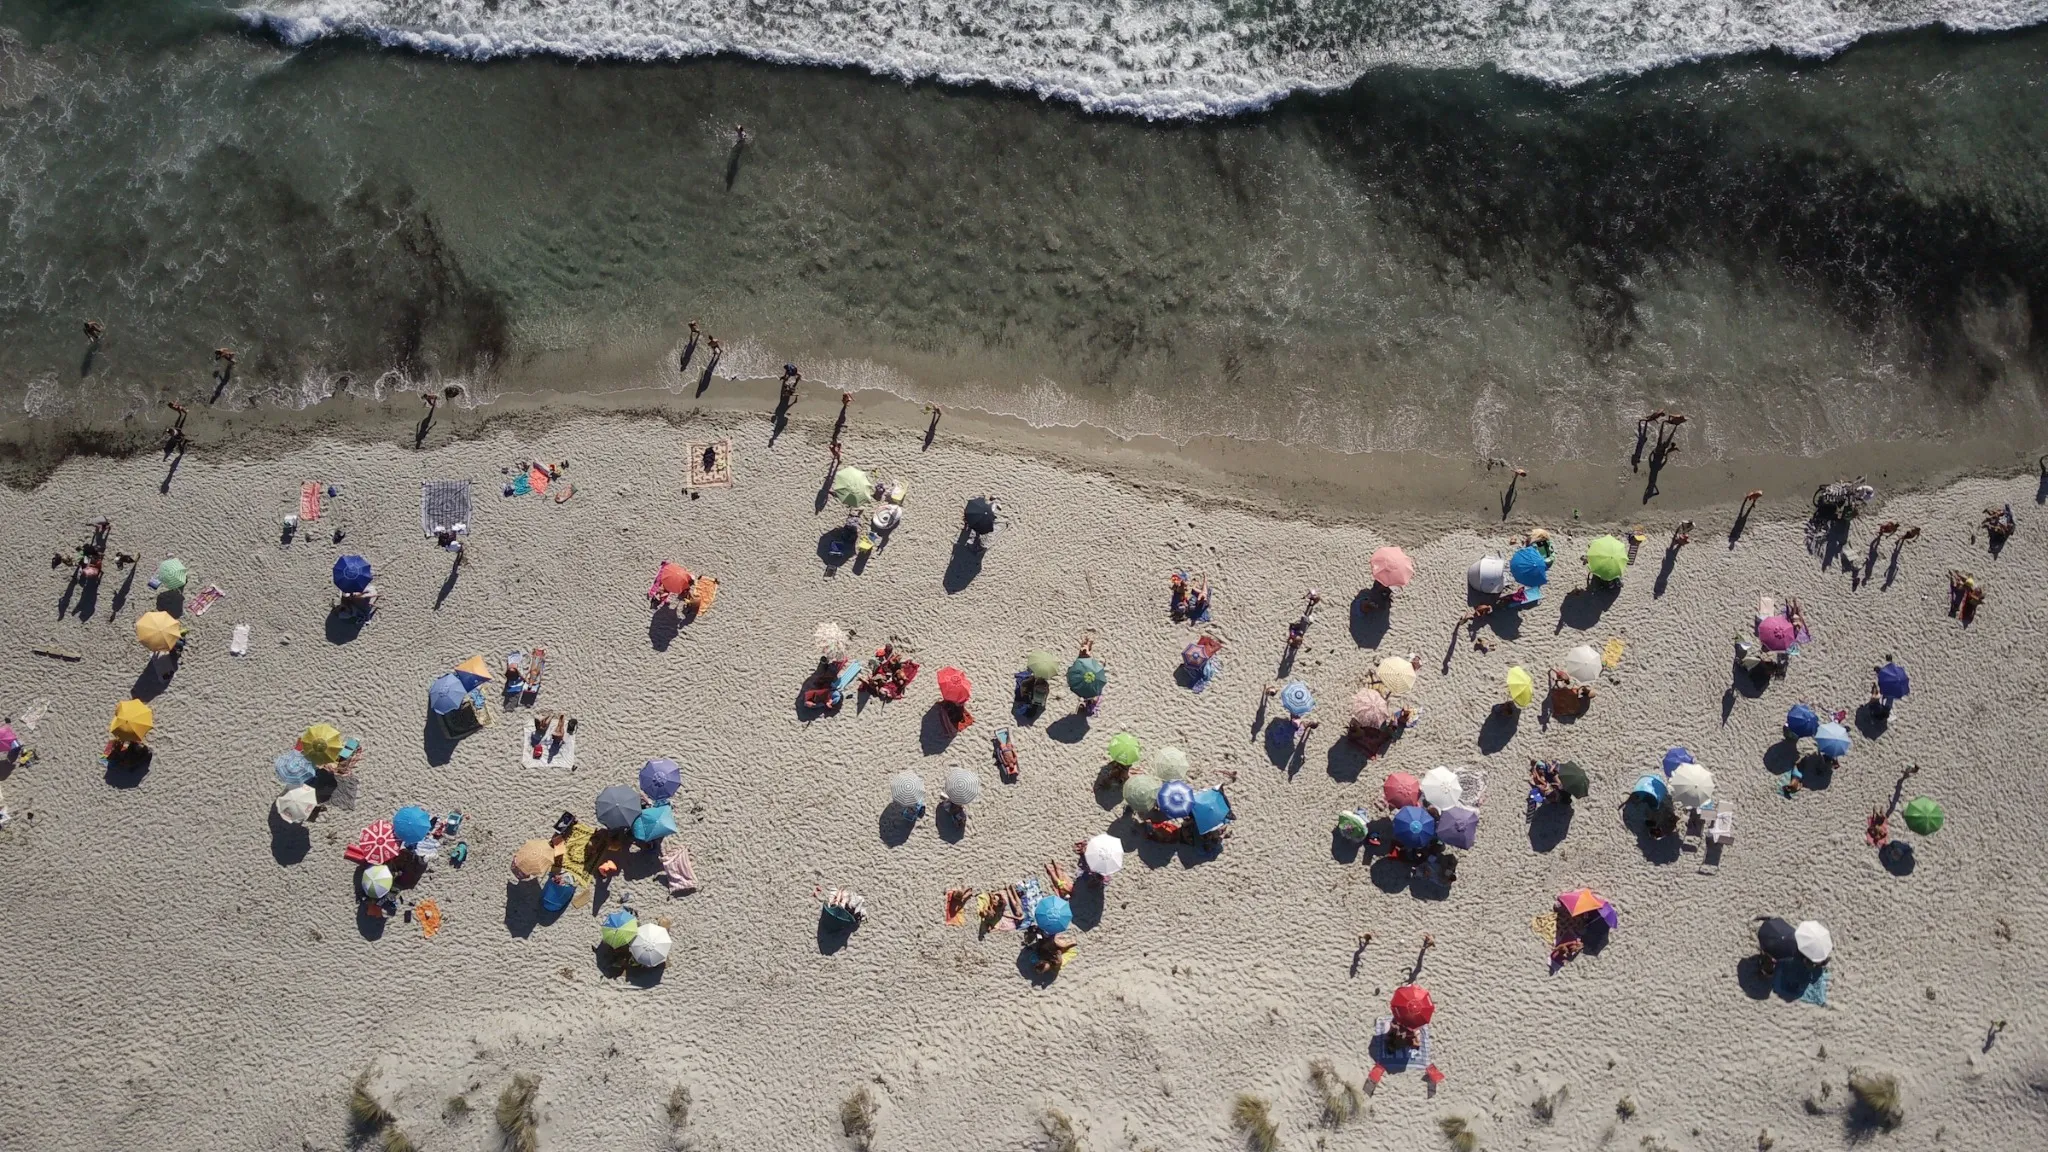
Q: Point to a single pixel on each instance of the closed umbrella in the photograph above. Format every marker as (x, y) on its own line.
(1529, 567)
(980, 515)
(1580, 901)
(1581, 664)
(1521, 688)
(1123, 749)
(321, 743)
(954, 687)
(1801, 720)
(1392, 567)
(618, 806)
(376, 881)
(659, 779)
(1673, 758)
(1396, 675)
(1210, 810)
(1775, 938)
(447, 693)
(1175, 799)
(1924, 816)
(1141, 791)
(619, 927)
(650, 946)
(1440, 787)
(293, 768)
(1052, 914)
(962, 786)
(533, 860)
(1104, 854)
(377, 843)
(1573, 779)
(296, 804)
(832, 641)
(132, 721)
(171, 575)
(1832, 740)
(1815, 942)
(1651, 787)
(1691, 785)
(1170, 763)
(1488, 575)
(1412, 1006)
(1297, 699)
(352, 573)
(1042, 665)
(1414, 827)
(851, 487)
(1775, 632)
(1892, 681)
(1369, 709)
(1606, 556)
(159, 631)
(1401, 790)
(411, 825)
(1086, 677)
(653, 823)
(1458, 826)
(906, 790)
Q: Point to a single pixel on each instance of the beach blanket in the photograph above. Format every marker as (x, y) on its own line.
(206, 598)
(677, 871)
(309, 501)
(564, 757)
(537, 479)
(443, 504)
(577, 859)
(427, 914)
(711, 464)
(1385, 1061)
(1610, 656)
(520, 486)
(1797, 980)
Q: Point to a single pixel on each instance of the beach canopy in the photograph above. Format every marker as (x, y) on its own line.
(1414, 827)
(1776, 633)
(619, 927)
(1392, 567)
(473, 672)
(1458, 826)
(1297, 699)
(1210, 810)
(1529, 567)
(618, 806)
(1141, 791)
(297, 803)
(132, 721)
(1775, 938)
(1396, 675)
(906, 790)
(1042, 665)
(962, 786)
(293, 768)
(653, 823)
(159, 631)
(1832, 740)
(1440, 787)
(659, 779)
(1401, 790)
(1892, 681)
(1652, 787)
(1815, 943)
(980, 515)
(352, 573)
(954, 686)
(1104, 854)
(1580, 901)
(1354, 824)
(1521, 687)
(851, 487)
(376, 881)
(1412, 1006)
(1606, 556)
(1369, 709)
(1573, 779)
(1581, 664)
(1052, 914)
(321, 743)
(1801, 720)
(1123, 749)
(1924, 816)
(1170, 763)
(533, 860)
(377, 843)
(1175, 799)
(1488, 575)
(650, 946)
(1674, 757)
(447, 693)
(411, 824)
(675, 580)
(171, 575)
(1691, 785)
(1087, 677)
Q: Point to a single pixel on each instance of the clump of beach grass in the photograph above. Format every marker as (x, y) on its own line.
(1342, 1101)
(1549, 1098)
(366, 1117)
(1460, 1131)
(396, 1141)
(455, 1108)
(679, 1107)
(1877, 1100)
(1252, 1118)
(1062, 1132)
(517, 1118)
(857, 1118)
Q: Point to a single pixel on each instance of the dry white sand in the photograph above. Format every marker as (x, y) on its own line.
(175, 979)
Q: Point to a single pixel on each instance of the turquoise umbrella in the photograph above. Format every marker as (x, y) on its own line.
(1087, 677)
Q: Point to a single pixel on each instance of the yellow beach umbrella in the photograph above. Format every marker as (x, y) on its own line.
(1396, 675)
(132, 721)
(321, 743)
(159, 631)
(1521, 689)
(475, 666)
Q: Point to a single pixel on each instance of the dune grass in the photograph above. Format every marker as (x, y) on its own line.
(857, 1118)
(1062, 1134)
(1460, 1132)
(1252, 1118)
(1878, 1103)
(678, 1109)
(1342, 1101)
(517, 1118)
(367, 1118)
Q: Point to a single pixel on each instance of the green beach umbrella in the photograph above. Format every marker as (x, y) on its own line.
(1087, 677)
(1140, 791)
(851, 487)
(1352, 824)
(1043, 665)
(1574, 779)
(1924, 816)
(1606, 557)
(1123, 748)
(1170, 764)
(620, 926)
(171, 574)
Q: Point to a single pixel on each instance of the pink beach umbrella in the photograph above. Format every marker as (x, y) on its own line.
(1775, 632)
(1369, 709)
(1402, 790)
(1392, 567)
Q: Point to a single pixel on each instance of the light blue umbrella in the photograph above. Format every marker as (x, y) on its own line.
(1052, 914)
(654, 823)
(1210, 810)
(1674, 758)
(1653, 787)
(1414, 827)
(293, 769)
(1297, 699)
(660, 779)
(352, 573)
(1892, 682)
(1529, 567)
(1833, 740)
(411, 824)
(446, 693)
(1801, 720)
(1175, 799)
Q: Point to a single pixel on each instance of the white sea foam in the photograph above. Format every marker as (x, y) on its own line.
(1155, 58)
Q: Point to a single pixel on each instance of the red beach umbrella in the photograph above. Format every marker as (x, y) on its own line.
(378, 844)
(954, 687)
(1402, 790)
(1412, 1006)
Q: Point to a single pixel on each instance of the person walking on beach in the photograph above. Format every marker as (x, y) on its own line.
(94, 330)
(182, 413)
(739, 135)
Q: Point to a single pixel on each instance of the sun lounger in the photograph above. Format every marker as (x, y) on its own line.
(1721, 826)
(239, 644)
(443, 505)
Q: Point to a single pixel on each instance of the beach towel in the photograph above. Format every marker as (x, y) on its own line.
(564, 757)
(206, 598)
(995, 915)
(1610, 656)
(520, 486)
(1797, 980)
(957, 902)
(427, 914)
(719, 473)
(576, 852)
(238, 644)
(309, 501)
(1404, 1059)
(677, 872)
(703, 594)
(444, 504)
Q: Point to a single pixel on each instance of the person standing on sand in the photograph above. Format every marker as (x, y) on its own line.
(1749, 501)
(739, 135)
(94, 330)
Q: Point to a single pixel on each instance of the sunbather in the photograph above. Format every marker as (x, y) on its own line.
(1998, 522)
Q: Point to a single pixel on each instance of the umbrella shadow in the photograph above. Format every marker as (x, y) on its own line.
(833, 933)
(1283, 747)
(835, 548)
(1752, 979)
(370, 927)
(934, 735)
(522, 908)
(1898, 858)
(1369, 619)
(1872, 720)
(155, 677)
(641, 976)
(1343, 849)
(435, 741)
(343, 627)
(171, 601)
(1639, 820)
(1069, 729)
(1816, 772)
(289, 842)
(950, 822)
(1499, 728)
(1582, 608)
(663, 626)
(126, 768)
(1549, 824)
(1087, 901)
(1390, 875)
(894, 825)
(962, 567)
(1344, 761)
(1746, 684)
(1109, 785)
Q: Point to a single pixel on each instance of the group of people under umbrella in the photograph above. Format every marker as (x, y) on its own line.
(1169, 808)
(393, 856)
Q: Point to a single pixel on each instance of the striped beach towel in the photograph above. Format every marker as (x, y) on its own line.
(309, 501)
(443, 504)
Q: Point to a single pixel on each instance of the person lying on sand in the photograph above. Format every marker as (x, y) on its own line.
(1298, 631)
(1998, 522)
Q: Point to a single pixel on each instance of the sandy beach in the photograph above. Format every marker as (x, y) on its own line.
(185, 972)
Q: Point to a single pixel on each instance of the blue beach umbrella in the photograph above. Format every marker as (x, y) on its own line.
(352, 573)
(1652, 787)
(1833, 741)
(1892, 682)
(1297, 699)
(1414, 827)
(1052, 914)
(1674, 758)
(618, 927)
(446, 693)
(411, 824)
(1175, 799)
(654, 823)
(293, 769)
(1801, 720)
(660, 779)
(1210, 810)
(1529, 567)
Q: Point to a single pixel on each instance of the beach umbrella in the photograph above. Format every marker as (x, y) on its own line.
(1580, 901)
(321, 743)
(851, 487)
(1832, 740)
(1801, 720)
(447, 693)
(1104, 854)
(533, 860)
(618, 806)
(832, 641)
(352, 573)
(954, 686)
(171, 575)
(1815, 943)
(1141, 791)
(906, 790)
(1396, 675)
(1775, 937)
(293, 768)
(473, 672)
(1606, 556)
(1892, 682)
(132, 721)
(962, 786)
(376, 881)
(1042, 665)
(650, 946)
(1401, 790)
(1353, 825)
(1458, 826)
(1673, 758)
(1175, 799)
(1297, 699)
(1521, 687)
(159, 631)
(654, 823)
(8, 740)
(377, 843)
(1414, 827)
(1052, 914)
(1581, 664)
(1210, 810)
(1170, 763)
(1529, 567)
(1123, 749)
(412, 824)
(1924, 816)
(297, 803)
(1412, 1006)
(1775, 632)
(1369, 709)
(980, 515)
(1440, 787)
(1652, 787)
(1488, 575)
(1574, 779)
(1392, 567)
(1087, 677)
(660, 779)
(619, 927)
(1691, 785)
(674, 579)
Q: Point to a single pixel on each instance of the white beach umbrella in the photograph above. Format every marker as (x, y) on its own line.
(1440, 788)
(1170, 764)
(1396, 674)
(1105, 854)
(1581, 664)
(1691, 785)
(906, 790)
(962, 787)
(1814, 941)
(832, 641)
(1488, 574)
(650, 946)
(297, 803)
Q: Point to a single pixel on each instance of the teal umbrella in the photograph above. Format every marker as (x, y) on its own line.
(1087, 677)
